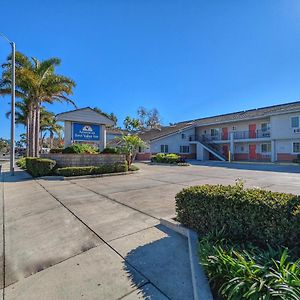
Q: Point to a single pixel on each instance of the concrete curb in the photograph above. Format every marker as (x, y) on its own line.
(201, 288)
(85, 176)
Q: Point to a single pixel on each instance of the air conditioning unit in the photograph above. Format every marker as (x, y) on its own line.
(297, 130)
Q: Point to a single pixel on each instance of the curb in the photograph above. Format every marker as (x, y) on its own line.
(201, 288)
(85, 176)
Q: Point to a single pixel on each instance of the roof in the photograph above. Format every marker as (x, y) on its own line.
(85, 115)
(230, 117)
(114, 130)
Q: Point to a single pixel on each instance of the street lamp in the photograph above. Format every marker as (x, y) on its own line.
(13, 98)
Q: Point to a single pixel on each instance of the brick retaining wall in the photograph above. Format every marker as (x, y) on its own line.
(81, 160)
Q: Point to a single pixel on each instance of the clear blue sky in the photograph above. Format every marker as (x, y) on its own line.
(187, 58)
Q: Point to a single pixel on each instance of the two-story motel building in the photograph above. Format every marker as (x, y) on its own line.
(263, 134)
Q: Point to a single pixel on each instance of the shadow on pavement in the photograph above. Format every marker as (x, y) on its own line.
(165, 263)
(249, 166)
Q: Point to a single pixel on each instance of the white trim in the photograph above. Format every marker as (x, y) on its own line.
(292, 152)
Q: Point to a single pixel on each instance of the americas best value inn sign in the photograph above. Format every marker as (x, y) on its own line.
(85, 132)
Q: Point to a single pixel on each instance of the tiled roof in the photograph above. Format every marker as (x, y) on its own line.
(231, 117)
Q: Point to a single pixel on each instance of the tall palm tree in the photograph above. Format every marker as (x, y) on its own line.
(36, 83)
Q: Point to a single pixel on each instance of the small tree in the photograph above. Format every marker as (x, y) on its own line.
(130, 145)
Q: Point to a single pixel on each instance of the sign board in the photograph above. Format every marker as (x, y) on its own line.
(85, 132)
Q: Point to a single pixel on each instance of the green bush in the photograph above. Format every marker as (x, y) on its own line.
(39, 166)
(56, 150)
(237, 274)
(297, 160)
(109, 150)
(80, 149)
(166, 158)
(21, 163)
(133, 168)
(92, 170)
(252, 215)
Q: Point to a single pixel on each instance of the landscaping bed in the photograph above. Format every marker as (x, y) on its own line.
(168, 159)
(250, 239)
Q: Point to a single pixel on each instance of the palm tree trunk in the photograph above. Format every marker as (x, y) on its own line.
(27, 135)
(51, 139)
(31, 139)
(37, 129)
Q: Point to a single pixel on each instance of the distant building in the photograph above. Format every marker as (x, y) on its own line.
(264, 134)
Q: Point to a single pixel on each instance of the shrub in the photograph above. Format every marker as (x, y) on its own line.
(21, 163)
(251, 215)
(92, 170)
(297, 160)
(56, 150)
(166, 158)
(109, 150)
(81, 148)
(39, 166)
(133, 168)
(250, 274)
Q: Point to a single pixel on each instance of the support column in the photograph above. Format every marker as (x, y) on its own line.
(232, 145)
(273, 151)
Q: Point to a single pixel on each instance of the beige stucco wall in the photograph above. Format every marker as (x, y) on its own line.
(173, 141)
(282, 127)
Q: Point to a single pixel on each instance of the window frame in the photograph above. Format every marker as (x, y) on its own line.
(163, 148)
(298, 117)
(293, 147)
(269, 148)
(181, 147)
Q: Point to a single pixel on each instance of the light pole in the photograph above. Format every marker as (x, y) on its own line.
(13, 98)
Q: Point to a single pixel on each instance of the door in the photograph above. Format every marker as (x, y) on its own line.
(225, 150)
(252, 152)
(252, 131)
(225, 133)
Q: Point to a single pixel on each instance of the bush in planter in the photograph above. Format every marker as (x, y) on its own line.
(133, 168)
(39, 166)
(21, 163)
(252, 215)
(109, 150)
(297, 160)
(121, 167)
(56, 150)
(80, 149)
(247, 272)
(170, 158)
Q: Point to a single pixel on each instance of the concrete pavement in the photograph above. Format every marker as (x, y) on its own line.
(99, 238)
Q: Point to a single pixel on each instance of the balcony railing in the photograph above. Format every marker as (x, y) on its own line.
(252, 134)
(237, 135)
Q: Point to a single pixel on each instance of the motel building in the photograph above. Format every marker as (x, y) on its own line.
(263, 134)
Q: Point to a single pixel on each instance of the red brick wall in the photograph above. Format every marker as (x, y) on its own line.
(143, 156)
(286, 156)
(241, 156)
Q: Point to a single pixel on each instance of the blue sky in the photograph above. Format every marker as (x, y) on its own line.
(187, 58)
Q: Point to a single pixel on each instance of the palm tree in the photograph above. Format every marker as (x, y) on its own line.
(36, 83)
(49, 124)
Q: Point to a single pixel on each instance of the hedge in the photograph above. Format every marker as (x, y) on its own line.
(170, 158)
(80, 148)
(39, 166)
(254, 215)
(56, 150)
(109, 150)
(92, 170)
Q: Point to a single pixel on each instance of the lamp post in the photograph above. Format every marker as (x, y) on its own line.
(13, 98)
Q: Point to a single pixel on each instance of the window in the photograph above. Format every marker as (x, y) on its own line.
(214, 131)
(295, 122)
(183, 136)
(296, 147)
(164, 148)
(265, 148)
(233, 128)
(265, 126)
(184, 149)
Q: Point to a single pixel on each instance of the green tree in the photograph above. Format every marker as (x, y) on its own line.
(130, 145)
(132, 124)
(110, 116)
(36, 83)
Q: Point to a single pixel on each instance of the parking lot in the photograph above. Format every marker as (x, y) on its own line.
(100, 238)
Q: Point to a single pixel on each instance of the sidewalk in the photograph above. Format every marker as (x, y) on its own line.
(65, 242)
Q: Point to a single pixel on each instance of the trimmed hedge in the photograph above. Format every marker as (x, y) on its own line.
(92, 170)
(170, 158)
(56, 150)
(39, 166)
(253, 215)
(21, 163)
(80, 148)
(109, 150)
